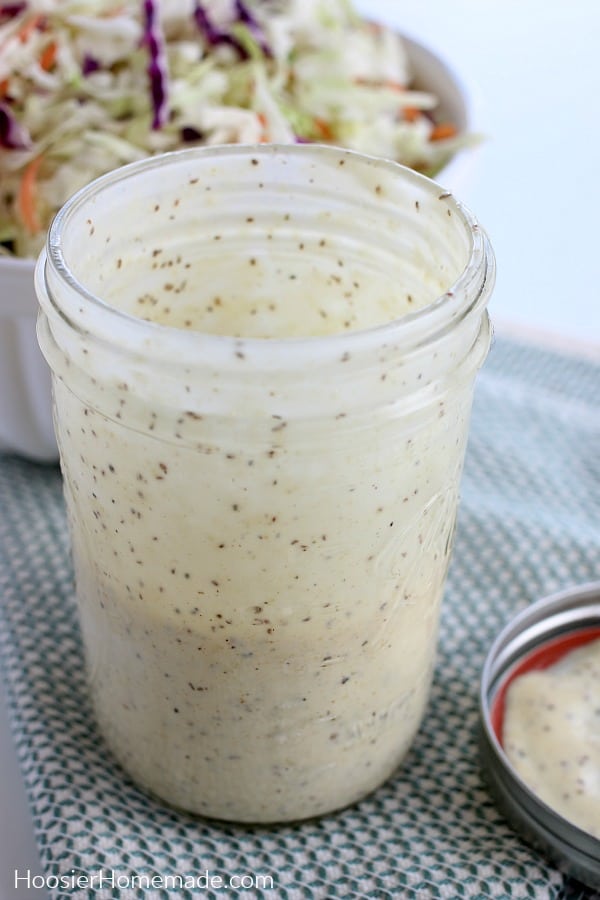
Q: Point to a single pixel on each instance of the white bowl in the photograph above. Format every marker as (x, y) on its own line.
(25, 393)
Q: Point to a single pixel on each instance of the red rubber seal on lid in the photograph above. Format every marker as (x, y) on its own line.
(542, 657)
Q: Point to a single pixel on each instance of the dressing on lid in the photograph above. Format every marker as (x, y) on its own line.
(551, 734)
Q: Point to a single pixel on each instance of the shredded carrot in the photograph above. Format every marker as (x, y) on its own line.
(323, 129)
(26, 197)
(4, 87)
(394, 86)
(48, 57)
(385, 83)
(264, 124)
(442, 131)
(411, 113)
(29, 26)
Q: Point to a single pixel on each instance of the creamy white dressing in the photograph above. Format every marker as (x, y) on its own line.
(261, 534)
(551, 734)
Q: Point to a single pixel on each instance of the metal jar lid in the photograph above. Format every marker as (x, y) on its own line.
(545, 630)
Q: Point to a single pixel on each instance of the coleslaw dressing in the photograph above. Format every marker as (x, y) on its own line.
(551, 734)
(261, 523)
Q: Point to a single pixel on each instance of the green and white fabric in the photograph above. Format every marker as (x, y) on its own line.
(529, 525)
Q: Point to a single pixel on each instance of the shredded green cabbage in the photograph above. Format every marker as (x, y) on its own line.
(88, 86)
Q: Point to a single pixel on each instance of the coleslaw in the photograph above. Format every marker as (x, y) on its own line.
(88, 86)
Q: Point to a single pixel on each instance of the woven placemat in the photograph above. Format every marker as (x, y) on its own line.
(528, 525)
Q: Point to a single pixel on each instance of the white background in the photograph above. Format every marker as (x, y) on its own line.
(532, 70)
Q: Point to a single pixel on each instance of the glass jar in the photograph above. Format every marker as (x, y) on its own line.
(263, 362)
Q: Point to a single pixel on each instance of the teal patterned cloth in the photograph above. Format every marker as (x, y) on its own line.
(529, 525)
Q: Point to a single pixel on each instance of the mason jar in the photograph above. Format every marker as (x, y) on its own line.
(263, 363)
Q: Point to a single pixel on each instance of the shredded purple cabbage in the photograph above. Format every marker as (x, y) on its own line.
(157, 70)
(245, 15)
(190, 134)
(12, 135)
(90, 64)
(213, 35)
(10, 10)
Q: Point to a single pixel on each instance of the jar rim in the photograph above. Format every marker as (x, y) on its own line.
(467, 294)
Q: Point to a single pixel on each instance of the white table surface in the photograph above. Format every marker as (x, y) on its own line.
(532, 71)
